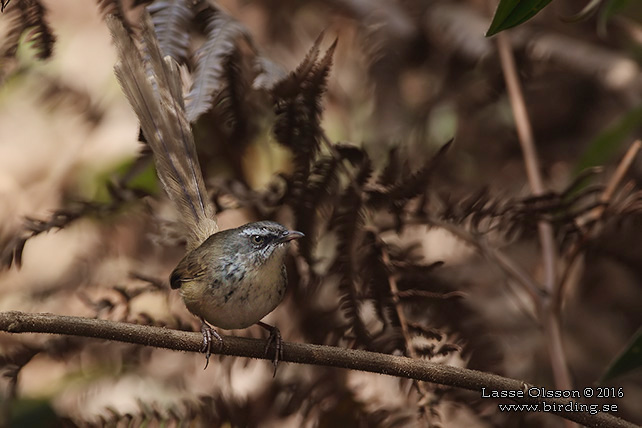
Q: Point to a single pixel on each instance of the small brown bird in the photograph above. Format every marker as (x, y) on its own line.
(230, 279)
(236, 277)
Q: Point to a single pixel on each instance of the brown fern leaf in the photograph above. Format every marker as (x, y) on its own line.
(231, 101)
(172, 19)
(447, 348)
(221, 32)
(392, 171)
(319, 190)
(421, 330)
(347, 222)
(32, 17)
(290, 85)
(322, 184)
(297, 104)
(315, 84)
(11, 250)
(297, 101)
(407, 187)
(376, 276)
(57, 93)
(516, 217)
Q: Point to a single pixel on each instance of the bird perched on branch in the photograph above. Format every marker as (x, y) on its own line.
(230, 279)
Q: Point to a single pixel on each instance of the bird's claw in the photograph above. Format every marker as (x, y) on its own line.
(206, 347)
(274, 338)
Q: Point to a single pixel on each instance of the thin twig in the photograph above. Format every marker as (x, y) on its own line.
(529, 152)
(21, 322)
(522, 123)
(405, 331)
(550, 318)
(617, 177)
(575, 259)
(431, 295)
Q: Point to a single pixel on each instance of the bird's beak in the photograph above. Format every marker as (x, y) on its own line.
(291, 236)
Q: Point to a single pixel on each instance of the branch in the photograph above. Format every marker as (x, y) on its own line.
(529, 152)
(592, 225)
(403, 322)
(549, 316)
(21, 322)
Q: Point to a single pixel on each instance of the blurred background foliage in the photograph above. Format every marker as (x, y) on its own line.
(406, 77)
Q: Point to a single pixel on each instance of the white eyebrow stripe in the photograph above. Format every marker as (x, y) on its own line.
(254, 231)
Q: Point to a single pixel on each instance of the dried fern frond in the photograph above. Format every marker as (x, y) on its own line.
(57, 93)
(11, 250)
(423, 331)
(322, 184)
(570, 211)
(297, 99)
(30, 15)
(347, 222)
(297, 104)
(392, 171)
(230, 102)
(406, 187)
(34, 17)
(221, 35)
(376, 276)
(172, 20)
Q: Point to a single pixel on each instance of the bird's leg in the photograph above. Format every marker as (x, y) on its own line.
(275, 337)
(206, 347)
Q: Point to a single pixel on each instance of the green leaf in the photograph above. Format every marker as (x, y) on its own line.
(629, 359)
(607, 144)
(511, 13)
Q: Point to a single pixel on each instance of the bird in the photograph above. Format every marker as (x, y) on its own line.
(235, 278)
(230, 279)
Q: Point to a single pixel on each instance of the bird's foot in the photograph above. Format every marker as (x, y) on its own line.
(273, 338)
(206, 347)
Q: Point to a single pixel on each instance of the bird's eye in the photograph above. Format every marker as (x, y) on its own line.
(257, 239)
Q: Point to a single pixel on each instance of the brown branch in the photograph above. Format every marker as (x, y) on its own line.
(549, 315)
(394, 291)
(404, 294)
(575, 257)
(21, 322)
(529, 152)
(615, 181)
(522, 123)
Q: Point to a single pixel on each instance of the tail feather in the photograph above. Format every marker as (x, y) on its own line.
(153, 88)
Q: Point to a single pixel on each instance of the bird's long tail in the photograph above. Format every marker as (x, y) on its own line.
(153, 87)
